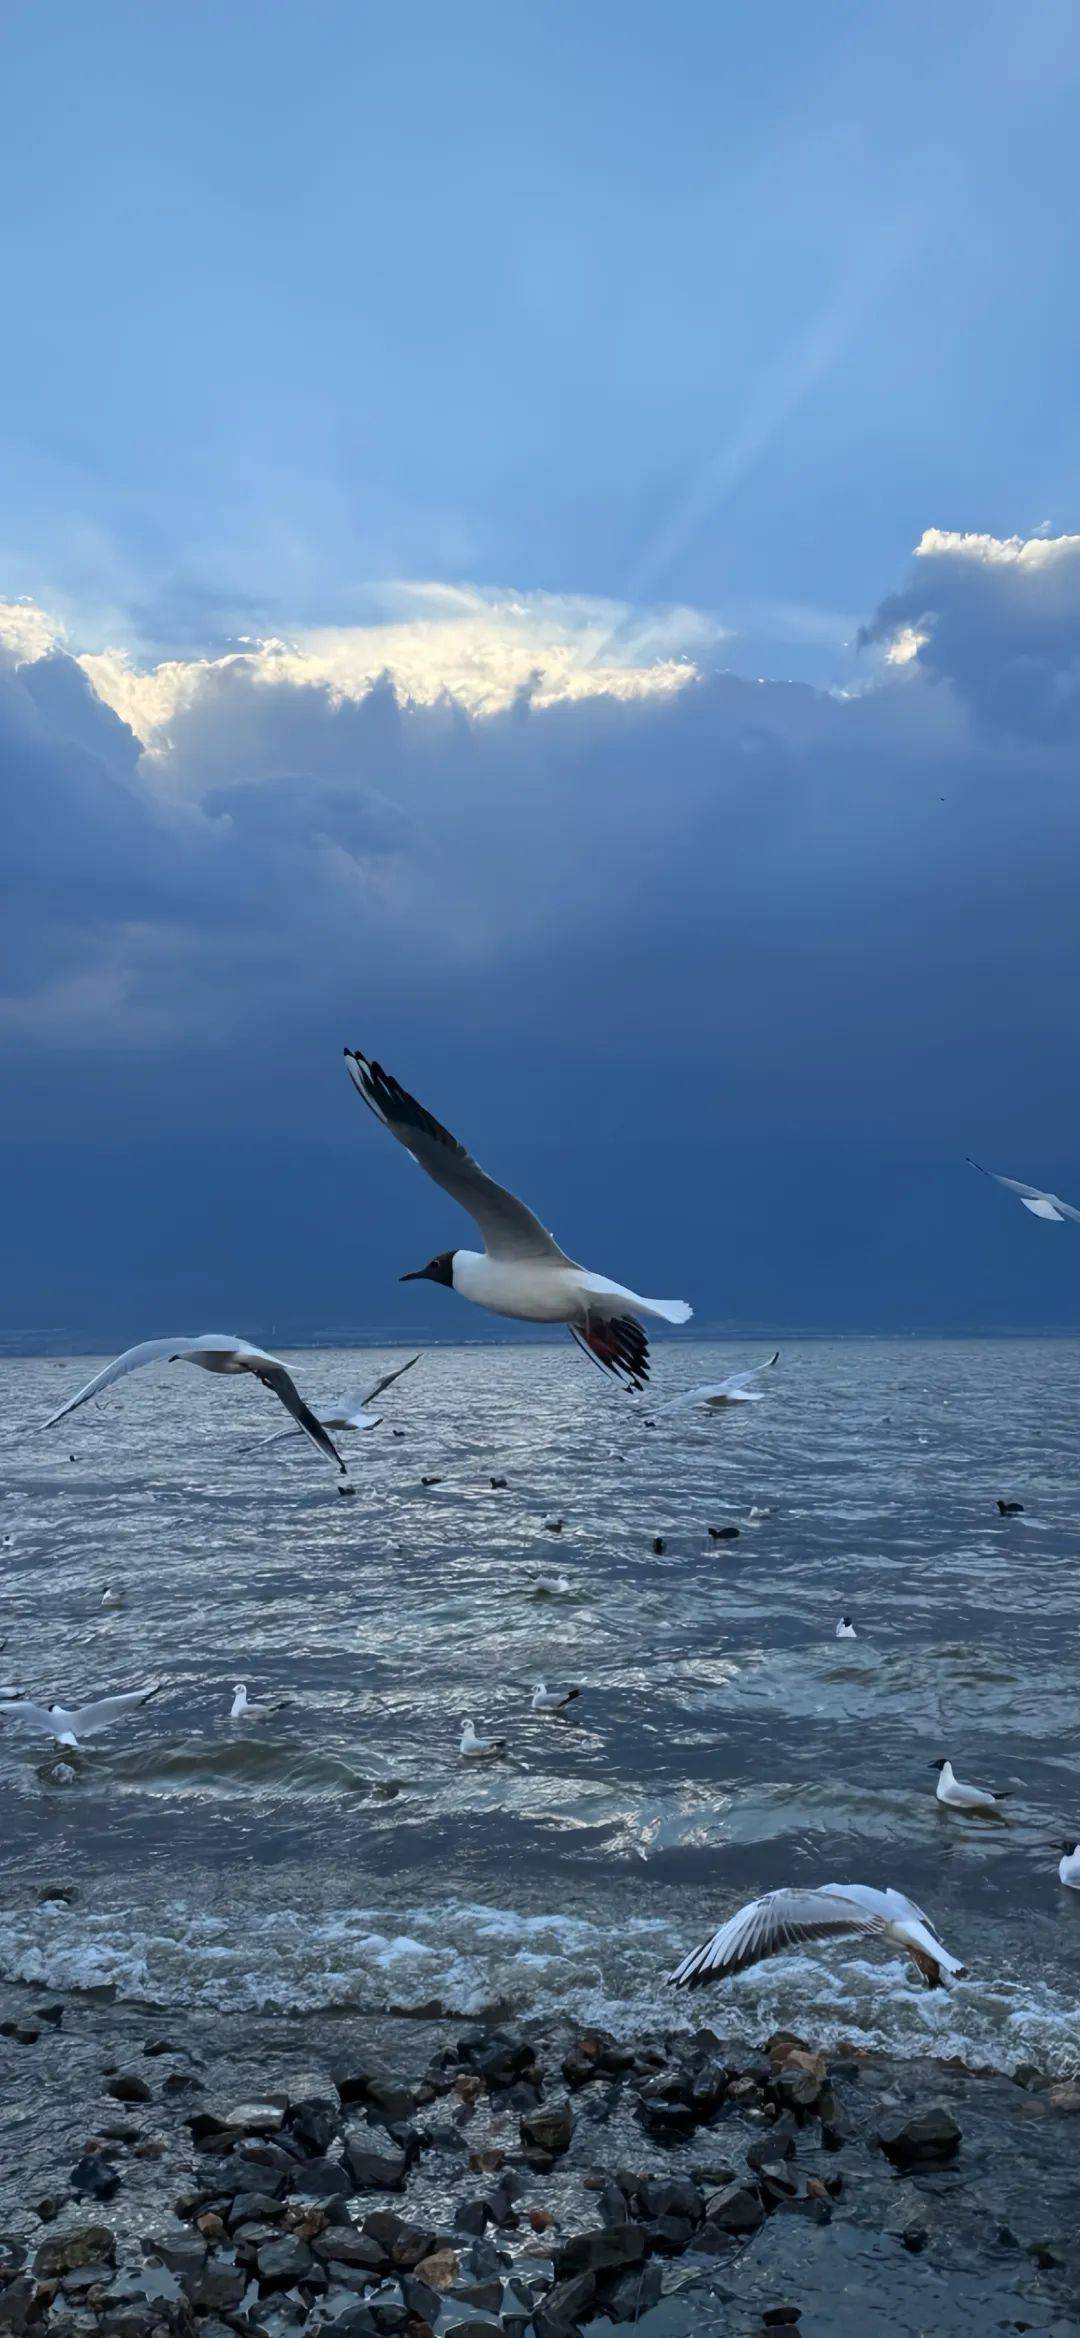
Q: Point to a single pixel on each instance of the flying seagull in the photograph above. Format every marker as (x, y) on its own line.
(952, 1791)
(215, 1351)
(70, 1724)
(736, 1389)
(1041, 1205)
(783, 1920)
(355, 1412)
(521, 1270)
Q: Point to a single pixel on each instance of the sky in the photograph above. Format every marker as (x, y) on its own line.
(543, 544)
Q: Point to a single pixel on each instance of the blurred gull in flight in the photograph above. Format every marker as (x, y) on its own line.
(354, 1412)
(521, 1271)
(736, 1389)
(783, 1920)
(214, 1351)
(69, 1724)
(1041, 1205)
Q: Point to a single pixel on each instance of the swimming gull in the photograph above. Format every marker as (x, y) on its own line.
(1042, 1205)
(214, 1351)
(957, 1796)
(244, 1710)
(1069, 1866)
(845, 1629)
(784, 1919)
(736, 1389)
(521, 1271)
(479, 1749)
(545, 1700)
(114, 1595)
(69, 1724)
(554, 1586)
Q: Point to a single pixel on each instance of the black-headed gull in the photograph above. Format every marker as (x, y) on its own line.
(1042, 1205)
(114, 1595)
(845, 1629)
(736, 1389)
(355, 1412)
(479, 1749)
(957, 1796)
(521, 1271)
(214, 1351)
(243, 1709)
(69, 1724)
(1069, 1866)
(783, 1920)
(545, 1700)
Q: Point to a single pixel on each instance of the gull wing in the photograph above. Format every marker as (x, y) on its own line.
(360, 1403)
(1041, 1205)
(149, 1351)
(617, 1344)
(508, 1228)
(278, 1380)
(38, 1715)
(86, 1718)
(741, 1379)
(779, 1920)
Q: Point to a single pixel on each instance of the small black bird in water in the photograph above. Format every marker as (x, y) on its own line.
(1009, 1509)
(723, 1534)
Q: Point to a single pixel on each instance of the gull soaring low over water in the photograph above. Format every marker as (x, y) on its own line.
(736, 1389)
(1042, 1205)
(213, 1351)
(521, 1271)
(69, 1724)
(784, 1920)
(952, 1791)
(355, 1412)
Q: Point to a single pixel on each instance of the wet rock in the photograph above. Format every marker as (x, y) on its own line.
(634, 2294)
(777, 2143)
(255, 2208)
(323, 2179)
(422, 2301)
(1065, 2097)
(91, 2244)
(737, 2208)
(471, 2216)
(486, 2296)
(915, 2237)
(611, 2206)
(799, 2084)
(182, 2252)
(93, 2178)
(606, 2250)
(351, 2080)
(25, 2033)
(181, 2082)
(313, 2124)
(49, 2013)
(666, 2122)
(388, 2101)
(671, 2196)
(548, 2129)
(161, 2046)
(128, 2086)
(17, 2304)
(780, 2317)
(440, 2269)
(566, 2305)
(371, 2170)
(405, 2243)
(341, 2245)
(282, 2262)
(926, 2139)
(216, 2287)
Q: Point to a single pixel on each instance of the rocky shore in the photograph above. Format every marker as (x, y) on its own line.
(231, 2175)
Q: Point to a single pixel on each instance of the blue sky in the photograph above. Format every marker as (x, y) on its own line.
(462, 482)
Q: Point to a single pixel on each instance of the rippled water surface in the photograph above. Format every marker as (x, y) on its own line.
(342, 1853)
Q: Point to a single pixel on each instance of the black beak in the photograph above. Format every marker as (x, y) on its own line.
(418, 1275)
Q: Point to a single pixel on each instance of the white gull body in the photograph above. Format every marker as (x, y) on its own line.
(479, 1749)
(545, 1700)
(738, 1388)
(1069, 1866)
(212, 1351)
(521, 1271)
(69, 1724)
(1048, 1206)
(783, 1920)
(956, 1795)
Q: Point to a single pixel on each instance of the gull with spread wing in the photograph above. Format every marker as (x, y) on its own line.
(214, 1351)
(521, 1270)
(784, 1920)
(1042, 1205)
(736, 1389)
(355, 1413)
(69, 1724)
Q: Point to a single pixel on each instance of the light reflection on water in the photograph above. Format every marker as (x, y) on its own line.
(725, 1742)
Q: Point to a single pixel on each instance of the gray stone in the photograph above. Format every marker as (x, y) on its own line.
(256, 2118)
(927, 2139)
(255, 2208)
(91, 2244)
(372, 2170)
(282, 2262)
(93, 2178)
(606, 2250)
(567, 2304)
(737, 2208)
(322, 2179)
(16, 2302)
(128, 2086)
(549, 2128)
(341, 2245)
(182, 2252)
(217, 2286)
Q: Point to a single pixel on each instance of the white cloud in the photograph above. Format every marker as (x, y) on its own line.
(479, 646)
(26, 632)
(1026, 552)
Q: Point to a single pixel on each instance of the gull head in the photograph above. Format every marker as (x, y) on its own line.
(941, 1765)
(1069, 1848)
(437, 1270)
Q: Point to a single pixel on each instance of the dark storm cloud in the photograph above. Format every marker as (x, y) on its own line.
(780, 948)
(1000, 622)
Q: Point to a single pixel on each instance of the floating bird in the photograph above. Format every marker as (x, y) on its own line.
(1042, 1205)
(113, 1595)
(845, 1629)
(479, 1749)
(1009, 1509)
(214, 1351)
(69, 1724)
(553, 1586)
(659, 1545)
(497, 1482)
(355, 1412)
(62, 1774)
(736, 1389)
(552, 1525)
(953, 1792)
(785, 1919)
(1069, 1866)
(244, 1710)
(723, 1533)
(431, 1481)
(545, 1700)
(521, 1271)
